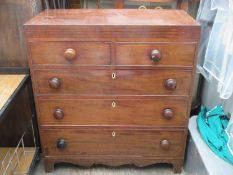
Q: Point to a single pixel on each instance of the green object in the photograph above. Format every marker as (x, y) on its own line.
(212, 124)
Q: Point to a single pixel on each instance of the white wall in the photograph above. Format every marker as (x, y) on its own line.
(210, 97)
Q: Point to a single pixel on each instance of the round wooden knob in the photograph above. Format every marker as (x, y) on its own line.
(61, 144)
(168, 113)
(170, 84)
(58, 114)
(55, 83)
(165, 144)
(70, 54)
(155, 55)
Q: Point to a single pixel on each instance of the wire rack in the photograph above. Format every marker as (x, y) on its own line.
(19, 160)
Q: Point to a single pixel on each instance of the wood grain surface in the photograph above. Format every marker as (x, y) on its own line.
(115, 112)
(100, 82)
(22, 163)
(139, 54)
(8, 85)
(113, 25)
(52, 53)
(100, 142)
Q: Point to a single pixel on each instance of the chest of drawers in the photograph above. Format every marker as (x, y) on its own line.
(112, 87)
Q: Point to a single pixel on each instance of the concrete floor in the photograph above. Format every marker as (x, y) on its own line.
(68, 169)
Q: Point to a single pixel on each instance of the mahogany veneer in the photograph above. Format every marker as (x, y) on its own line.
(112, 86)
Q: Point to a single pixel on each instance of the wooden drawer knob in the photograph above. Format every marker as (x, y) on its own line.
(170, 84)
(58, 114)
(165, 144)
(70, 54)
(168, 113)
(155, 55)
(61, 144)
(55, 83)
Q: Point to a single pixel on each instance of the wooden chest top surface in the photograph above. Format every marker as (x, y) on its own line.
(113, 25)
(113, 17)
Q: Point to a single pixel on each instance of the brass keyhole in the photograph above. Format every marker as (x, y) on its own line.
(113, 133)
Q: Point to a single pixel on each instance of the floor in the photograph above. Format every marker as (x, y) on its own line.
(67, 169)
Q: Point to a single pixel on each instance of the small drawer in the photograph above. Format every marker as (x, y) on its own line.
(115, 82)
(159, 112)
(114, 142)
(155, 54)
(70, 53)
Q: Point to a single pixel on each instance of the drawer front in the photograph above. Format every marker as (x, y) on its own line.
(106, 82)
(112, 142)
(80, 81)
(159, 112)
(70, 53)
(155, 54)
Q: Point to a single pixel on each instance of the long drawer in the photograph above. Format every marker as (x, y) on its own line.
(115, 82)
(159, 112)
(155, 54)
(70, 53)
(115, 142)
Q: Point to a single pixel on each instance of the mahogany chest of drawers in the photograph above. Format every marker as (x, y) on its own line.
(112, 87)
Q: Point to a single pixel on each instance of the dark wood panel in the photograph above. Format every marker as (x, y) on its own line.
(116, 142)
(13, 14)
(60, 53)
(17, 116)
(101, 82)
(158, 112)
(75, 3)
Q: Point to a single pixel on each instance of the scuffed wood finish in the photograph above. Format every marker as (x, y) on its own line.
(113, 17)
(123, 112)
(113, 87)
(113, 25)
